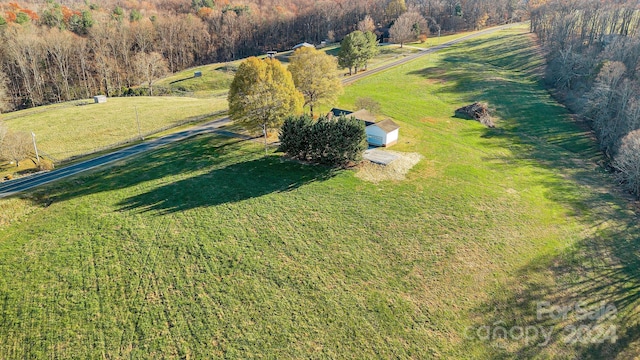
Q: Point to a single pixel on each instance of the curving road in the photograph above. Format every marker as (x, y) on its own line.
(12, 187)
(16, 186)
(427, 51)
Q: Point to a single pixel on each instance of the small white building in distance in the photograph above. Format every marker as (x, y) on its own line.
(100, 99)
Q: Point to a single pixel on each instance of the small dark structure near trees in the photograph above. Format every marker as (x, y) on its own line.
(476, 111)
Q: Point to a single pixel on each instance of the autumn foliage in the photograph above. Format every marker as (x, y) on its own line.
(76, 48)
(13, 9)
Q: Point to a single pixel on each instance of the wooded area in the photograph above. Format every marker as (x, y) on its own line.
(593, 52)
(56, 52)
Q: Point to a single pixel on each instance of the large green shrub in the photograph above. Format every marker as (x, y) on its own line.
(294, 136)
(337, 141)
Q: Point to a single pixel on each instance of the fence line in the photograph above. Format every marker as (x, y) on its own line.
(46, 155)
(187, 121)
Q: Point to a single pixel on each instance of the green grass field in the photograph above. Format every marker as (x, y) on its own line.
(215, 80)
(69, 129)
(434, 40)
(209, 249)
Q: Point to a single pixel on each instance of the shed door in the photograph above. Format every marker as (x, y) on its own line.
(375, 140)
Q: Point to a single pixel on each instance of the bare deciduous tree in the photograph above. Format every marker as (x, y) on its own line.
(368, 103)
(150, 67)
(16, 146)
(144, 35)
(25, 48)
(366, 24)
(408, 27)
(627, 161)
(45, 62)
(5, 97)
(588, 37)
(60, 47)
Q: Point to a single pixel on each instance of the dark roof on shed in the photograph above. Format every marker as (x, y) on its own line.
(339, 112)
(362, 115)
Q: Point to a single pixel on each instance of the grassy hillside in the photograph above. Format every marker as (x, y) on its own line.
(73, 128)
(215, 79)
(209, 249)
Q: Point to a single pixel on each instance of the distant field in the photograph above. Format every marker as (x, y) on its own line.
(434, 40)
(82, 126)
(208, 249)
(215, 80)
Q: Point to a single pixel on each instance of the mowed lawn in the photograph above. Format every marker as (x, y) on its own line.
(73, 128)
(210, 249)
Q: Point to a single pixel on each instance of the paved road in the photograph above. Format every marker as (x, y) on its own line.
(13, 187)
(356, 77)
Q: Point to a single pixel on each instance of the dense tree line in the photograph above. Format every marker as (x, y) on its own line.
(593, 52)
(75, 49)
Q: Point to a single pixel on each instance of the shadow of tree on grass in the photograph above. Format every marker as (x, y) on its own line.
(602, 266)
(203, 171)
(600, 274)
(232, 183)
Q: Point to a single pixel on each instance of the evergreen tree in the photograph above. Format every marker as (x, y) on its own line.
(356, 49)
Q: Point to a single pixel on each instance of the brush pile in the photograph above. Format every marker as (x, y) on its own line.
(476, 111)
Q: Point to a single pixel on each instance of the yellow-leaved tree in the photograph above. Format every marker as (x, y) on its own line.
(315, 75)
(262, 94)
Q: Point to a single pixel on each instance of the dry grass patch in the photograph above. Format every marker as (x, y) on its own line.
(396, 170)
(429, 120)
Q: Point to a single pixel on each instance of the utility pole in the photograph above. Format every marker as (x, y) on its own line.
(138, 122)
(35, 147)
(264, 131)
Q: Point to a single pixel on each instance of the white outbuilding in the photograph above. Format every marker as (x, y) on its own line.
(383, 133)
(100, 99)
